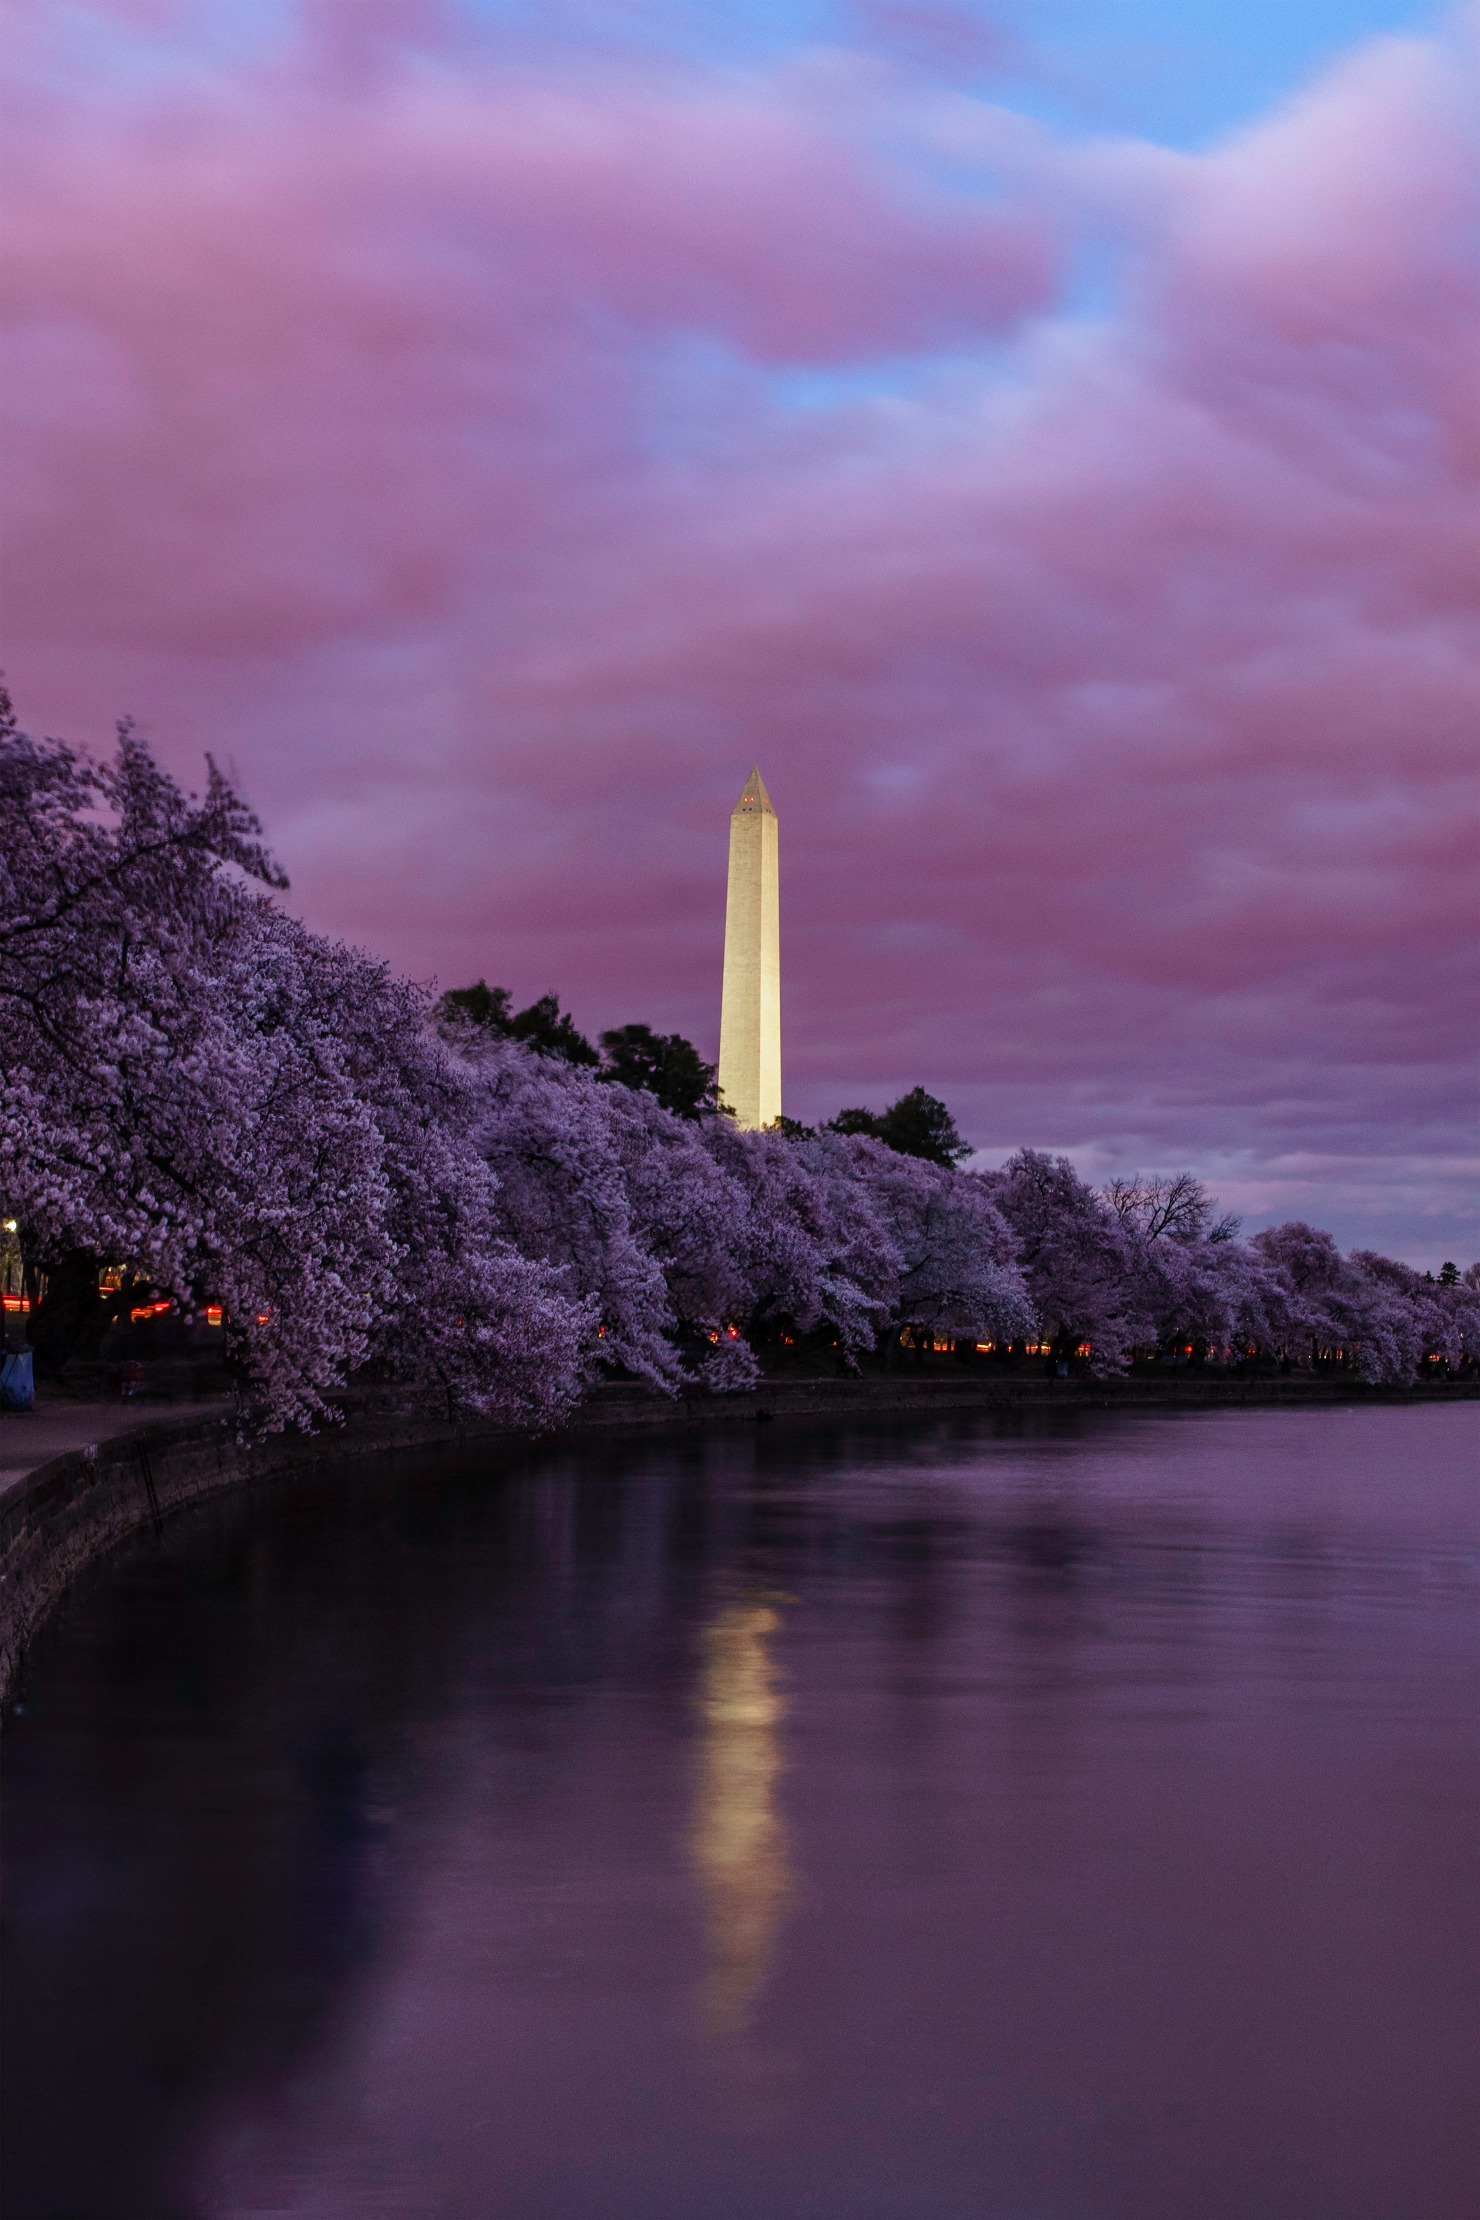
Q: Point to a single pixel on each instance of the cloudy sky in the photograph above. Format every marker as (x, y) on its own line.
(1045, 437)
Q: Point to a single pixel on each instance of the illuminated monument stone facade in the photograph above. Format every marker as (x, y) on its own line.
(750, 1012)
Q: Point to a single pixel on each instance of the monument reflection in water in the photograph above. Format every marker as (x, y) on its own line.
(739, 1841)
(1077, 1823)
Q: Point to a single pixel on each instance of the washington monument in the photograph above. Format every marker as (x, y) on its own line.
(750, 1012)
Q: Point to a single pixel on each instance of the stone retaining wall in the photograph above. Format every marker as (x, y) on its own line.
(70, 1510)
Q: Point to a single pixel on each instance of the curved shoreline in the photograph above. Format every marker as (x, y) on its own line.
(65, 1513)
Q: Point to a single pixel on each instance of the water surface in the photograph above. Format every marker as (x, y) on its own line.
(998, 1821)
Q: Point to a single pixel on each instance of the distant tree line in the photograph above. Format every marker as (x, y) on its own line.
(664, 1065)
(671, 1069)
(228, 1111)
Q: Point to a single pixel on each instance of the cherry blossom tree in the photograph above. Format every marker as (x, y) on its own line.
(1459, 1306)
(943, 1257)
(802, 1248)
(681, 1228)
(687, 1209)
(687, 1228)
(1079, 1262)
(1385, 1317)
(241, 1113)
(1212, 1294)
(731, 1367)
(563, 1195)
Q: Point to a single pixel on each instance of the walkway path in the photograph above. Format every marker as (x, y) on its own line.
(29, 1438)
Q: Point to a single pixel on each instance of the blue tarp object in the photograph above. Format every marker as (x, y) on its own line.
(17, 1381)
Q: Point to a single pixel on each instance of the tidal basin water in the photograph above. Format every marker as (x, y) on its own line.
(998, 1821)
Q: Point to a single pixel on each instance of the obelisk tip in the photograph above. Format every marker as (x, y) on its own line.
(753, 795)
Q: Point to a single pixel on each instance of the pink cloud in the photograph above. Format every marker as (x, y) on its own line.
(433, 445)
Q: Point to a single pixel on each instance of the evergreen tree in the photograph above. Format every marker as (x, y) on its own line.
(543, 1026)
(919, 1124)
(661, 1064)
(551, 1031)
(479, 1005)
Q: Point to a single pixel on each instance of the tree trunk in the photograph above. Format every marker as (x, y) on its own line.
(72, 1317)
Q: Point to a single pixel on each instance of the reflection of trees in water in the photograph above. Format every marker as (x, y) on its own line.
(192, 1846)
(231, 1723)
(739, 1843)
(226, 1727)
